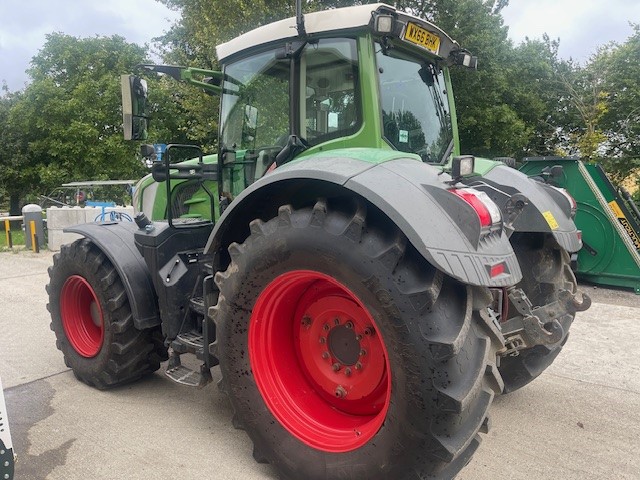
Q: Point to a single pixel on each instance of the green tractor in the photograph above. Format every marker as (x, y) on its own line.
(358, 282)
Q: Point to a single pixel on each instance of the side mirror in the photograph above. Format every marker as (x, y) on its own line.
(134, 105)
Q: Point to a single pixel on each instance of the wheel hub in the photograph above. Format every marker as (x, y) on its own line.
(334, 338)
(319, 362)
(344, 344)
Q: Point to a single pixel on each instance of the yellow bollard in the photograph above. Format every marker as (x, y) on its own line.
(7, 231)
(34, 244)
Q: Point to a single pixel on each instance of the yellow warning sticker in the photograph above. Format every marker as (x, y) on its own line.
(551, 220)
(616, 209)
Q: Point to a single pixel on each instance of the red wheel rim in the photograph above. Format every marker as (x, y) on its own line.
(319, 361)
(81, 316)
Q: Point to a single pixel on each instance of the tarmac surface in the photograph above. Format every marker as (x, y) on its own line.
(579, 420)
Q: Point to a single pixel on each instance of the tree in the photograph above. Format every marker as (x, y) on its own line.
(600, 109)
(69, 117)
(584, 105)
(18, 172)
(620, 122)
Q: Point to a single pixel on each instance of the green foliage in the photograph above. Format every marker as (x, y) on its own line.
(600, 109)
(18, 170)
(69, 117)
(620, 119)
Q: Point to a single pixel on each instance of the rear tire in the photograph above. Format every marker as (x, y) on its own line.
(91, 317)
(547, 269)
(313, 288)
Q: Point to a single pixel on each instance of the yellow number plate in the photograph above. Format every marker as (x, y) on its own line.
(422, 38)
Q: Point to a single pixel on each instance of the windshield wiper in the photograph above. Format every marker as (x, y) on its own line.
(447, 152)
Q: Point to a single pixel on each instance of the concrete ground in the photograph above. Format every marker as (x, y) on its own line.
(579, 420)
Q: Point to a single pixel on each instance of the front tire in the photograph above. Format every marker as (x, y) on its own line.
(546, 270)
(91, 317)
(346, 355)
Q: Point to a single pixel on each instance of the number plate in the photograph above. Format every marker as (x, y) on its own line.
(421, 37)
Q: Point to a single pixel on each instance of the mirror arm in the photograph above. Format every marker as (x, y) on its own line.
(188, 75)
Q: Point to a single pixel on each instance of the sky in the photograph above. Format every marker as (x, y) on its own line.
(24, 24)
(581, 25)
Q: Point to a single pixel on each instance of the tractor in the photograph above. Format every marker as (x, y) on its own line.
(364, 288)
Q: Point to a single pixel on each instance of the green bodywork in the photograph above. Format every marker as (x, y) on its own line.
(363, 154)
(196, 207)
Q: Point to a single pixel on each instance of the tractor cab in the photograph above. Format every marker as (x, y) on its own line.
(372, 77)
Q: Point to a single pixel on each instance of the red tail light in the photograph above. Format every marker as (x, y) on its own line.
(488, 212)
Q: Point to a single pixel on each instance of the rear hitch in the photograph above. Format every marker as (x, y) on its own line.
(571, 302)
(538, 325)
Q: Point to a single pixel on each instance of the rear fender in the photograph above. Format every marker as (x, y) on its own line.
(546, 210)
(442, 227)
(116, 240)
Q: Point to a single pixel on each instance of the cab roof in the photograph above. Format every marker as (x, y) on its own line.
(347, 18)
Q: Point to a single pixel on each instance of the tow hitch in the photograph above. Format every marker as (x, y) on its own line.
(538, 325)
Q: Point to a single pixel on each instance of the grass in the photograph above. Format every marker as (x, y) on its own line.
(17, 236)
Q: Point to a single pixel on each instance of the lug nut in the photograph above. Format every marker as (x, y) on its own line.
(340, 392)
(337, 321)
(363, 352)
(325, 355)
(336, 366)
(347, 372)
(349, 324)
(326, 327)
(358, 366)
(322, 340)
(358, 337)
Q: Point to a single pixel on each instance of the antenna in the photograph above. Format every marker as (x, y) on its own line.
(300, 19)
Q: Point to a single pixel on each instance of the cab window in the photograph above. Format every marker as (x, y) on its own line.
(329, 79)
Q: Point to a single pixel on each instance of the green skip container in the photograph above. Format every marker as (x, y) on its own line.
(608, 218)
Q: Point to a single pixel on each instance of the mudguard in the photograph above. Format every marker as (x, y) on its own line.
(442, 227)
(546, 210)
(116, 240)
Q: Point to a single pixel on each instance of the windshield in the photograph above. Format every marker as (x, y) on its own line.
(255, 105)
(415, 109)
(254, 119)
